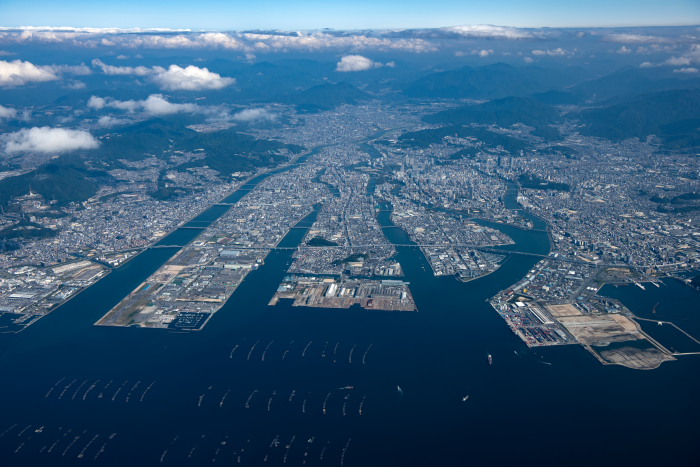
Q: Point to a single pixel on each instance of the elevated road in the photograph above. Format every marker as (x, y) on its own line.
(487, 249)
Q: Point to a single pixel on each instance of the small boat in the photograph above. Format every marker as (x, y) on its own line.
(490, 359)
(465, 398)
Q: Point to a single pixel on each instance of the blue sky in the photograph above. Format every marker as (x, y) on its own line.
(312, 14)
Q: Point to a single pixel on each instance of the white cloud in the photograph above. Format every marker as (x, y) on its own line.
(125, 70)
(73, 69)
(624, 50)
(635, 39)
(253, 115)
(7, 112)
(48, 140)
(218, 39)
(175, 78)
(678, 61)
(212, 40)
(190, 78)
(75, 85)
(686, 70)
(488, 31)
(155, 104)
(18, 73)
(107, 121)
(691, 57)
(97, 103)
(318, 41)
(558, 52)
(243, 42)
(356, 63)
(483, 53)
(100, 103)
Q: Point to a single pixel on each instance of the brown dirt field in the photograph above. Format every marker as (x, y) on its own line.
(563, 310)
(601, 329)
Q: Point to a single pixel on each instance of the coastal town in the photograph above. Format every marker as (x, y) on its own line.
(450, 207)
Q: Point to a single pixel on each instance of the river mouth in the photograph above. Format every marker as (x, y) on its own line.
(372, 388)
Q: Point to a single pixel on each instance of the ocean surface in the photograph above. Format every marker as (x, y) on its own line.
(287, 385)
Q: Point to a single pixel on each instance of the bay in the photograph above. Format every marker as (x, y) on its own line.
(290, 385)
